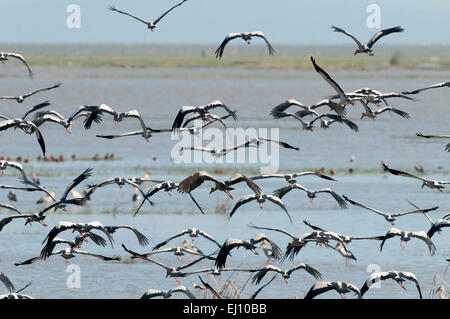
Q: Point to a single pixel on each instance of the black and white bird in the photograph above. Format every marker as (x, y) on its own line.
(167, 293)
(405, 236)
(247, 37)
(21, 98)
(202, 110)
(398, 276)
(286, 274)
(373, 114)
(367, 48)
(4, 56)
(249, 244)
(341, 287)
(291, 178)
(390, 217)
(12, 292)
(193, 233)
(439, 185)
(447, 146)
(298, 242)
(310, 193)
(150, 24)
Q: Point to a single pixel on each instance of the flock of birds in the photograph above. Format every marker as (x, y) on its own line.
(97, 232)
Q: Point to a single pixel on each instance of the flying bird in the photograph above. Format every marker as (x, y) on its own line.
(246, 36)
(341, 287)
(286, 274)
(405, 236)
(367, 48)
(425, 182)
(390, 217)
(150, 24)
(398, 276)
(447, 147)
(152, 293)
(193, 233)
(310, 193)
(249, 244)
(21, 98)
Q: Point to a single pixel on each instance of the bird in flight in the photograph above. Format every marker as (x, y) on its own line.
(150, 24)
(246, 36)
(367, 48)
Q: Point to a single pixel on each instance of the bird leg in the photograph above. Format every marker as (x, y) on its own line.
(177, 280)
(311, 201)
(261, 206)
(286, 281)
(440, 190)
(229, 194)
(179, 258)
(67, 261)
(69, 129)
(169, 193)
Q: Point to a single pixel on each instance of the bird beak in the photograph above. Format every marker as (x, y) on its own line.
(229, 194)
(42, 223)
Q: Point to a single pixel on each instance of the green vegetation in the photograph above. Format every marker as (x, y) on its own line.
(282, 63)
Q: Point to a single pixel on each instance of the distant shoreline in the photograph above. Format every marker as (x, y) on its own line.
(237, 56)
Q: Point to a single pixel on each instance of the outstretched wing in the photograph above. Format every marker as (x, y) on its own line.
(261, 35)
(163, 15)
(381, 34)
(336, 29)
(229, 37)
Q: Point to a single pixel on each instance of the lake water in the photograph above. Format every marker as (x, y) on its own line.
(158, 94)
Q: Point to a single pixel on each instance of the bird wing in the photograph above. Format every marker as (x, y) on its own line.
(181, 233)
(238, 178)
(283, 144)
(363, 206)
(381, 34)
(261, 273)
(276, 200)
(82, 252)
(273, 229)
(142, 239)
(56, 85)
(20, 57)
(83, 176)
(415, 211)
(241, 202)
(228, 38)
(261, 35)
(423, 236)
(336, 29)
(8, 284)
(437, 85)
(162, 16)
(328, 78)
(183, 289)
(400, 173)
(318, 288)
(10, 207)
(126, 13)
(312, 271)
(217, 103)
(35, 108)
(391, 109)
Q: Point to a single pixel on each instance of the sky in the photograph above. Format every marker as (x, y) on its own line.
(288, 22)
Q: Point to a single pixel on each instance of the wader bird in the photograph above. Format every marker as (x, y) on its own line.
(389, 216)
(310, 193)
(367, 48)
(246, 36)
(405, 236)
(21, 98)
(341, 287)
(425, 182)
(150, 24)
(193, 234)
(249, 244)
(398, 276)
(447, 147)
